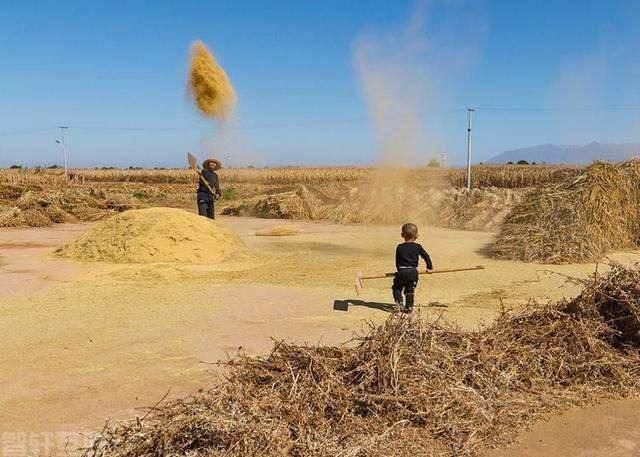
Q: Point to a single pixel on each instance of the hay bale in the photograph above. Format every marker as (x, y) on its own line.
(278, 230)
(208, 84)
(156, 235)
(578, 220)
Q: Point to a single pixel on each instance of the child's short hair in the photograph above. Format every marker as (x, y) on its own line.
(409, 231)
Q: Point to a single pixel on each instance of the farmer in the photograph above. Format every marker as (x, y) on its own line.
(406, 278)
(207, 195)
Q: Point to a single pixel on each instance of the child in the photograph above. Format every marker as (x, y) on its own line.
(407, 257)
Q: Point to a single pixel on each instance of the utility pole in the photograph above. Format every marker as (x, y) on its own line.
(64, 151)
(469, 111)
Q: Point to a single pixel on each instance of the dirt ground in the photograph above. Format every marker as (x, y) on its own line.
(83, 342)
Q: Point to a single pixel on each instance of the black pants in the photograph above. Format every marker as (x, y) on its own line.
(405, 281)
(206, 207)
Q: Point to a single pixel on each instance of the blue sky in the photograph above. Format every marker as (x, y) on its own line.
(115, 72)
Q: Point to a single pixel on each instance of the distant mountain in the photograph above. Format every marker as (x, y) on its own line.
(554, 153)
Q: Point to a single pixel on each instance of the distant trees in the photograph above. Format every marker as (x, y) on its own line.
(433, 163)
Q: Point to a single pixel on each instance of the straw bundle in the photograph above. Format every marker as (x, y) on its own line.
(407, 387)
(68, 204)
(577, 220)
(208, 84)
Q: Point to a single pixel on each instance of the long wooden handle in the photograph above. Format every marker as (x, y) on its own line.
(193, 164)
(452, 270)
(204, 181)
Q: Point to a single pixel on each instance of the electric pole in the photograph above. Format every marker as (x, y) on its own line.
(64, 152)
(469, 111)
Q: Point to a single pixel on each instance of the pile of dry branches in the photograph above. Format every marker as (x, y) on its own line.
(577, 220)
(406, 387)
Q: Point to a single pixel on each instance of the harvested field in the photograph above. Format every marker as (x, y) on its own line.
(512, 176)
(407, 386)
(156, 235)
(577, 220)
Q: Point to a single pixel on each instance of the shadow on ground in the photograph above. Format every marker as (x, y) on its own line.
(343, 305)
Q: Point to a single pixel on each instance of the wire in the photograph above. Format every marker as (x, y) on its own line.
(27, 132)
(323, 123)
(605, 108)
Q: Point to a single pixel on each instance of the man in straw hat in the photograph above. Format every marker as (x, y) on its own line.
(206, 199)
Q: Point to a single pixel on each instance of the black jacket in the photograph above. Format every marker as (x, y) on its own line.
(212, 178)
(408, 255)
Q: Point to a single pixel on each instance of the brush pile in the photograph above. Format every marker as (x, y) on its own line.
(40, 208)
(578, 220)
(407, 387)
(208, 84)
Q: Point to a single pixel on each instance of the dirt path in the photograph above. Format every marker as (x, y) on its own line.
(83, 342)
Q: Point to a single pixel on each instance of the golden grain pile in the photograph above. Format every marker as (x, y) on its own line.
(408, 387)
(156, 235)
(208, 84)
(278, 230)
(578, 220)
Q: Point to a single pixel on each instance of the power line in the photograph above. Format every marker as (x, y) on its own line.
(323, 122)
(592, 109)
(27, 132)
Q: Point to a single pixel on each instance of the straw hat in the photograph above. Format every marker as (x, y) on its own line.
(217, 164)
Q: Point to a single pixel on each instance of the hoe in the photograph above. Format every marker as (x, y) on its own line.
(359, 282)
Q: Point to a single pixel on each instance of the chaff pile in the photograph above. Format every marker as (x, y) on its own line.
(406, 387)
(480, 209)
(208, 84)
(578, 220)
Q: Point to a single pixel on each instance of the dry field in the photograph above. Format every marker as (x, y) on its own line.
(340, 194)
(479, 367)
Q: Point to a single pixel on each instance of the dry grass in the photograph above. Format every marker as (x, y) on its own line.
(208, 84)
(577, 220)
(37, 200)
(511, 176)
(407, 387)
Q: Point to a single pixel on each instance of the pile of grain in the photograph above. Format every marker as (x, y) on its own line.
(208, 84)
(156, 235)
(408, 387)
(578, 220)
(39, 208)
(278, 230)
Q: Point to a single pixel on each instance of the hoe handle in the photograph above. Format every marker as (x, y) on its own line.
(452, 270)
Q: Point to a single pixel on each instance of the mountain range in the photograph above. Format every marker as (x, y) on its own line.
(555, 153)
